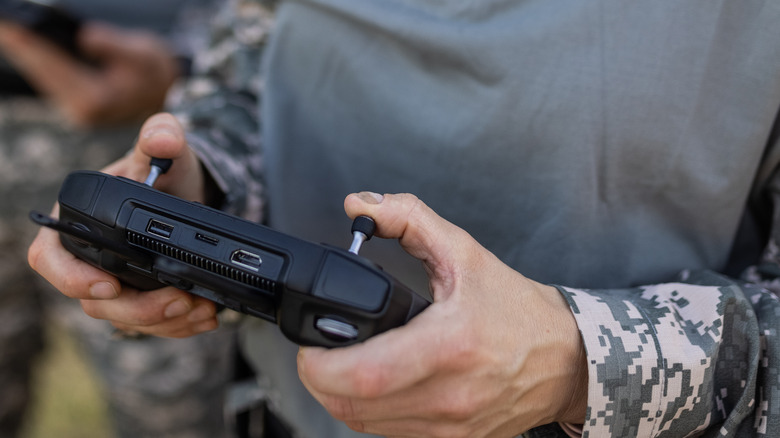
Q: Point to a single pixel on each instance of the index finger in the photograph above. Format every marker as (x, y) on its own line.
(384, 364)
(71, 276)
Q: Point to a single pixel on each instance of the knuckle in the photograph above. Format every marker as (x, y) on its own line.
(143, 319)
(356, 426)
(341, 408)
(459, 411)
(368, 382)
(92, 309)
(461, 406)
(413, 203)
(411, 198)
(460, 350)
(34, 254)
(72, 286)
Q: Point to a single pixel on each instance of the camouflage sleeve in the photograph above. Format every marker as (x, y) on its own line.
(219, 104)
(678, 358)
(700, 355)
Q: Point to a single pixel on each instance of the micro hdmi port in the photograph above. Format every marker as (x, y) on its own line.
(246, 259)
(160, 229)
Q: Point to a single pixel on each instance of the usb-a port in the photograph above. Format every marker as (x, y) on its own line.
(160, 229)
(246, 259)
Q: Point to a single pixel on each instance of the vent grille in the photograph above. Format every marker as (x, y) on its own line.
(201, 262)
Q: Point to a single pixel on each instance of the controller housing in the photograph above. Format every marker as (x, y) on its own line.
(317, 294)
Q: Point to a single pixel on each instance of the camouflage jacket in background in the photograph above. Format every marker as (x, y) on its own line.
(697, 356)
(218, 105)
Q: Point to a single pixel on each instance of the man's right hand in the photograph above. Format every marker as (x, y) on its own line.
(166, 312)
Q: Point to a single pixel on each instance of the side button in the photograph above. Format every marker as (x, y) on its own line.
(337, 330)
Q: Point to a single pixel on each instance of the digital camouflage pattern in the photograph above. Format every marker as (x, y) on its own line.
(218, 106)
(680, 358)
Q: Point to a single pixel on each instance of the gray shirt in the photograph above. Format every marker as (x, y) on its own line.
(588, 144)
(551, 131)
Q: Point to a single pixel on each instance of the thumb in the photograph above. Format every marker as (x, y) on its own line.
(162, 136)
(442, 246)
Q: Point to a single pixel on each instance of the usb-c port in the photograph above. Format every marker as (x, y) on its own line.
(159, 229)
(208, 239)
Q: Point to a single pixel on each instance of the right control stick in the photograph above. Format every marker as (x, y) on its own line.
(363, 228)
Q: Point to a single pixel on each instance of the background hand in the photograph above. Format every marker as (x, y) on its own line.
(163, 312)
(131, 74)
(495, 355)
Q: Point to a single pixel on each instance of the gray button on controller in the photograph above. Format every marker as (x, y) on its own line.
(331, 327)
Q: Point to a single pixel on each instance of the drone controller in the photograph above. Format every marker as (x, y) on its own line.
(317, 294)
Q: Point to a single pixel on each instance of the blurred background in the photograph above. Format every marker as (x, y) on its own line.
(67, 399)
(63, 374)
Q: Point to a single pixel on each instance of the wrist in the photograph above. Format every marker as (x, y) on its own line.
(572, 390)
(574, 411)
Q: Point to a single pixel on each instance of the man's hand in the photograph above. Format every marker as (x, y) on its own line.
(494, 355)
(129, 80)
(164, 312)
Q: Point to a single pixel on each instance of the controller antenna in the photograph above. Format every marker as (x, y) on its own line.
(158, 167)
(363, 228)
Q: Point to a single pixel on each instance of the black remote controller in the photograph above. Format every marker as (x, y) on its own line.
(317, 294)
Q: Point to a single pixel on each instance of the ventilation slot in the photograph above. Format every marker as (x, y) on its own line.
(201, 262)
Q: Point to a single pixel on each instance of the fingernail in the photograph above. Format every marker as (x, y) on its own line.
(370, 197)
(177, 308)
(103, 291)
(200, 313)
(158, 130)
(206, 326)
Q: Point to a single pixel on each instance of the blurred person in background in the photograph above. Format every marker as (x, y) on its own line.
(58, 114)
